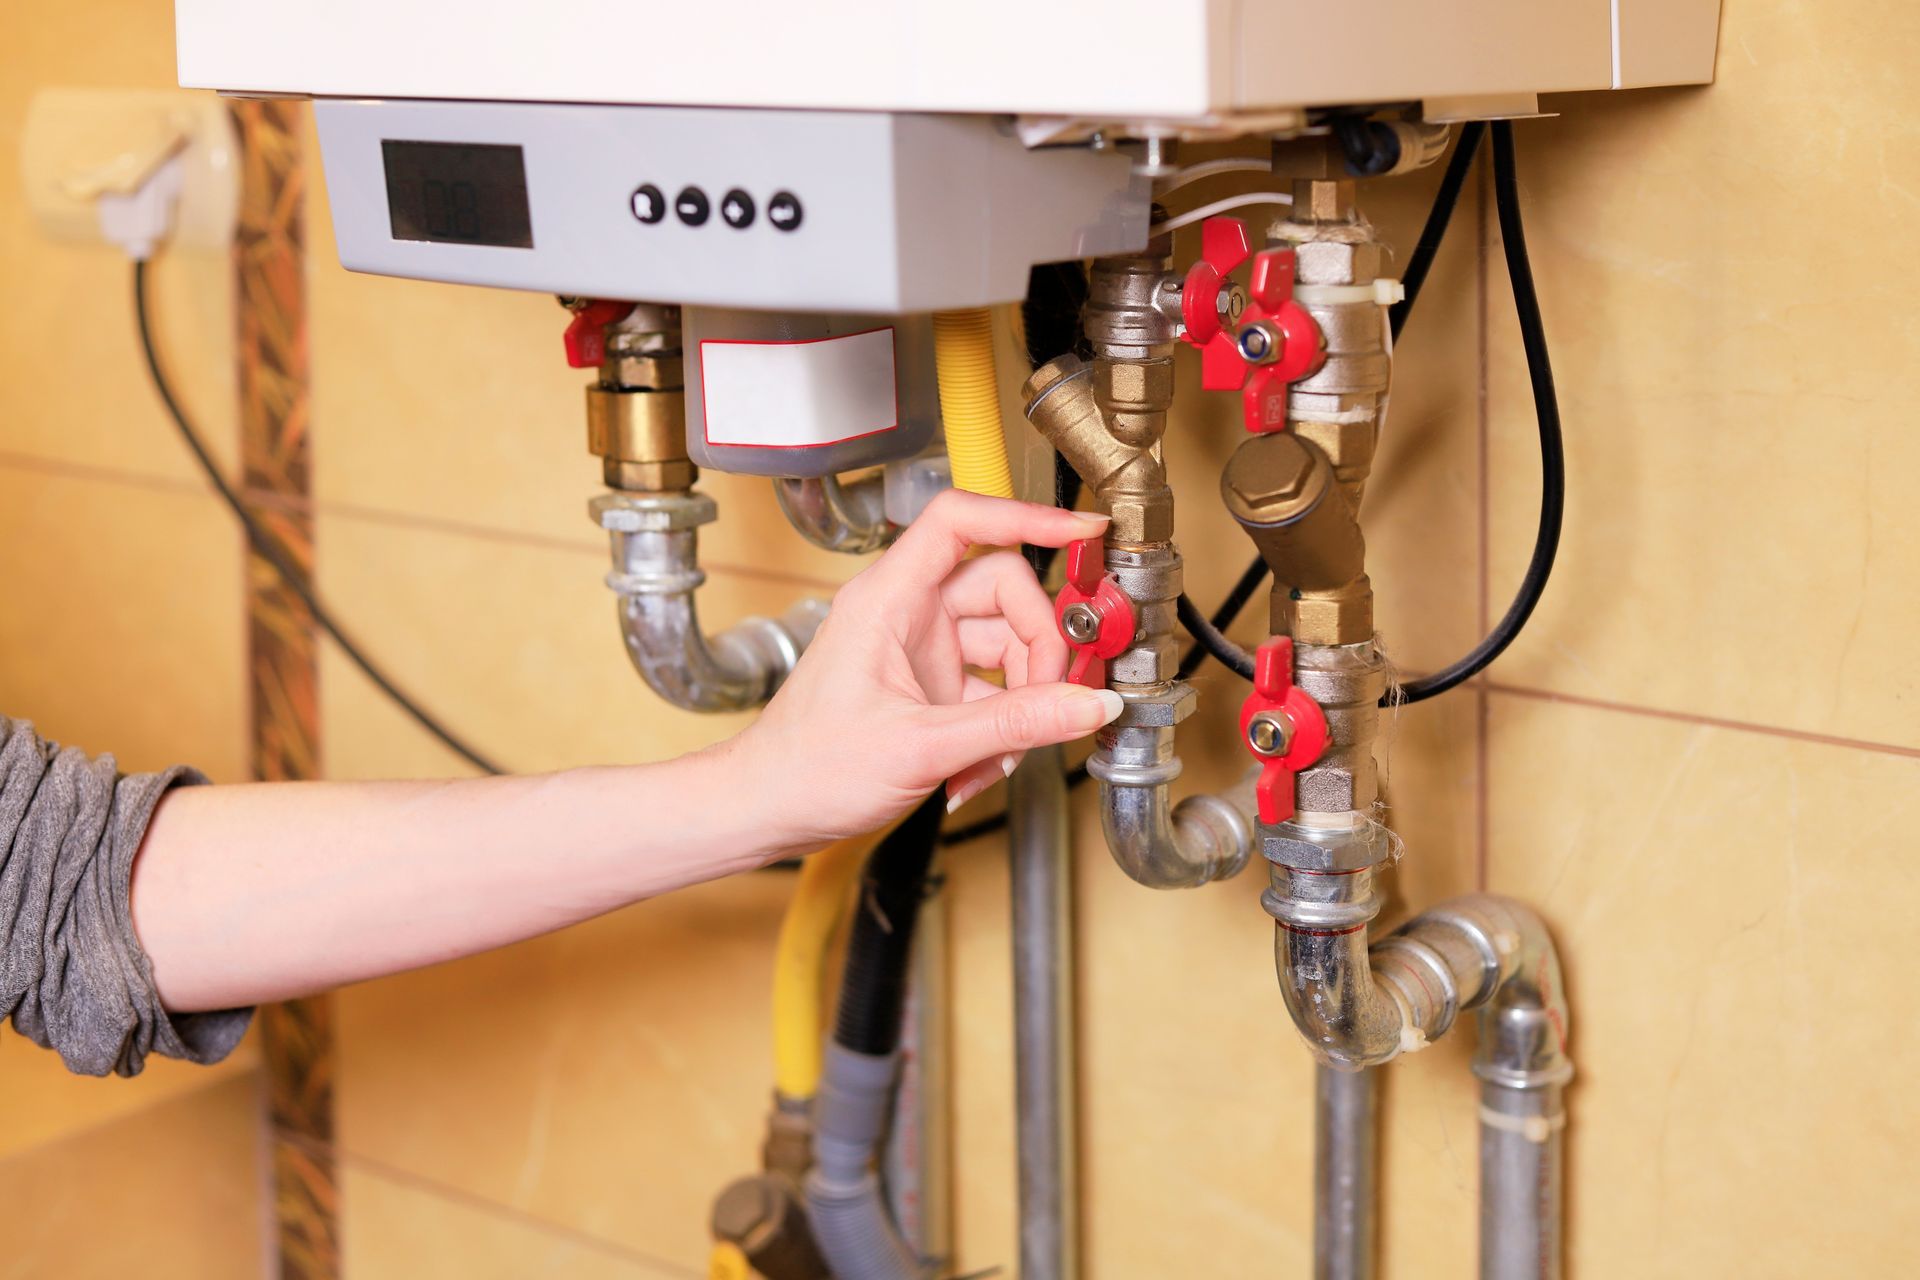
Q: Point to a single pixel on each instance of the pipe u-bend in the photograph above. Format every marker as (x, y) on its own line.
(656, 572)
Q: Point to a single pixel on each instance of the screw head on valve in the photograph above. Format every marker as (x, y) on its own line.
(1080, 623)
(1232, 302)
(1269, 733)
(1258, 343)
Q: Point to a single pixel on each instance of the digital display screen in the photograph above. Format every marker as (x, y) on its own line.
(458, 193)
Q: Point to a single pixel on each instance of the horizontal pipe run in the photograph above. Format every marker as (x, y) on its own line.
(849, 517)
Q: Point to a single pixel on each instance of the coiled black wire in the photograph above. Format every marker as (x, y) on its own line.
(1546, 408)
(269, 549)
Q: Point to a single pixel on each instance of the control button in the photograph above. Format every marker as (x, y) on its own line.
(691, 205)
(648, 204)
(737, 208)
(783, 211)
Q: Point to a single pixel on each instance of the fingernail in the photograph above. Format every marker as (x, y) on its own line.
(966, 793)
(1089, 709)
(1095, 518)
(1008, 764)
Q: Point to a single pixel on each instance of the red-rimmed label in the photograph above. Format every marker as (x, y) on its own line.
(802, 393)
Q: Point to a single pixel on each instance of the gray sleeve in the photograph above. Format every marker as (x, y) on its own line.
(73, 976)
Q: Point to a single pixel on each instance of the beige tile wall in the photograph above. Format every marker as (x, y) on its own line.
(121, 629)
(1699, 761)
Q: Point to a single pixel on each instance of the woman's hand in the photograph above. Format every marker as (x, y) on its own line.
(882, 709)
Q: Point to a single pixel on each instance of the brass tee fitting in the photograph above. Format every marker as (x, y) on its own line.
(1128, 480)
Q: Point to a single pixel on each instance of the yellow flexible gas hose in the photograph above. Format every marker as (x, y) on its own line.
(970, 401)
(819, 902)
(727, 1262)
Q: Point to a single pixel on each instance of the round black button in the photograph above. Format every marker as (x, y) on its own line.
(737, 208)
(691, 205)
(648, 204)
(784, 211)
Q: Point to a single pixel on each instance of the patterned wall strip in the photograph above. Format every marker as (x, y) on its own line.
(296, 1038)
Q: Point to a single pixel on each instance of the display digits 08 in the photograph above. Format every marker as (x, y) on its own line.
(458, 193)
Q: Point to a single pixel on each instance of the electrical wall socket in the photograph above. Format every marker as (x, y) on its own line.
(82, 145)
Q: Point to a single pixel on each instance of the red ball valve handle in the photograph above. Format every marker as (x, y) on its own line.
(1095, 615)
(586, 336)
(1257, 350)
(1283, 727)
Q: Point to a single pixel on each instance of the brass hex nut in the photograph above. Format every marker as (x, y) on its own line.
(1342, 616)
(1136, 385)
(648, 477)
(1348, 445)
(1137, 519)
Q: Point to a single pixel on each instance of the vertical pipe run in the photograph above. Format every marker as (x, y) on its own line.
(1345, 1139)
(1043, 1019)
(1521, 1132)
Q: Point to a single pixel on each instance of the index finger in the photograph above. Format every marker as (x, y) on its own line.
(955, 522)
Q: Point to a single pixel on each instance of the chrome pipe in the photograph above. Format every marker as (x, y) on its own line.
(1521, 1195)
(1158, 843)
(1345, 1142)
(849, 517)
(1044, 1068)
(656, 573)
(1483, 953)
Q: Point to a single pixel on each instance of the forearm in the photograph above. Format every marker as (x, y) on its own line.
(243, 894)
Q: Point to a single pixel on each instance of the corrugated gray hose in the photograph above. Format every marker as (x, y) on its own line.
(850, 1221)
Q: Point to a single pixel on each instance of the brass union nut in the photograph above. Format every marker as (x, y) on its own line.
(1341, 616)
(1138, 519)
(1133, 385)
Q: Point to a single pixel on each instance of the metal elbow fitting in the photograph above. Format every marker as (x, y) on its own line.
(846, 517)
(1156, 842)
(656, 571)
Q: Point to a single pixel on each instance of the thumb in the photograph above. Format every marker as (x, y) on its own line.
(1034, 715)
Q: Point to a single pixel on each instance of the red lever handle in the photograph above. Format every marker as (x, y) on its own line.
(586, 336)
(1094, 614)
(1305, 723)
(1272, 343)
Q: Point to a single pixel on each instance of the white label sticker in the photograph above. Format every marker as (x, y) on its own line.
(798, 395)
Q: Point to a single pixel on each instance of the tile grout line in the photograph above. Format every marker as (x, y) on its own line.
(1710, 722)
(493, 1208)
(11, 461)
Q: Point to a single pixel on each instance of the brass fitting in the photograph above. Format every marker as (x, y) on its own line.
(637, 411)
(640, 437)
(1343, 615)
(1128, 480)
(1281, 489)
(765, 1214)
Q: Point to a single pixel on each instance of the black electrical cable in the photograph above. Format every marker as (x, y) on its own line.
(270, 550)
(1209, 640)
(1439, 217)
(873, 985)
(1546, 407)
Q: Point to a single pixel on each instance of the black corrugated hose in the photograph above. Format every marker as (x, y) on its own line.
(873, 985)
